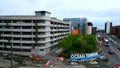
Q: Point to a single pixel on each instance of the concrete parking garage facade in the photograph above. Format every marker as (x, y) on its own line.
(26, 33)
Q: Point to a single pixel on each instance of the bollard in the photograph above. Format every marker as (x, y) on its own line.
(45, 65)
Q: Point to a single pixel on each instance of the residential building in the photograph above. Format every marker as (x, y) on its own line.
(37, 33)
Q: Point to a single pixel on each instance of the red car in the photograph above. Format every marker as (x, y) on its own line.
(116, 66)
(102, 38)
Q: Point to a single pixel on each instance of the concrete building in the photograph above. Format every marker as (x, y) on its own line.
(94, 30)
(89, 28)
(116, 30)
(108, 26)
(38, 33)
(81, 23)
(75, 28)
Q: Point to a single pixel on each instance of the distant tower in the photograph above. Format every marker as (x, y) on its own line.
(108, 26)
(89, 28)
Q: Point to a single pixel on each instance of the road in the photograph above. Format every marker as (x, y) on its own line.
(115, 58)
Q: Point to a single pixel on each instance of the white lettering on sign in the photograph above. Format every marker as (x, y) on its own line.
(78, 55)
(83, 55)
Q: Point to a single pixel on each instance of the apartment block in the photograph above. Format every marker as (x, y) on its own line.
(28, 34)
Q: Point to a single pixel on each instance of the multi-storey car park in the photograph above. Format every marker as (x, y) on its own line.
(28, 32)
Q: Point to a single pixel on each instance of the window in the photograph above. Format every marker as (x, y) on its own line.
(39, 21)
(1, 43)
(16, 44)
(3, 27)
(39, 39)
(16, 27)
(27, 27)
(41, 49)
(39, 27)
(27, 39)
(6, 32)
(16, 33)
(1, 48)
(26, 33)
(39, 33)
(26, 44)
(0, 21)
(26, 50)
(1, 37)
(26, 21)
(16, 38)
(7, 21)
(6, 38)
(41, 44)
(16, 21)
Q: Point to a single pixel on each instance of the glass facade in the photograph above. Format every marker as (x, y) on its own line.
(81, 23)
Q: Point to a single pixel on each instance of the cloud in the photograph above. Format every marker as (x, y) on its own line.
(97, 12)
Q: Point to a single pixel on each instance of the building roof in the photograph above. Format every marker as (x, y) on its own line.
(42, 12)
(89, 24)
(29, 17)
(116, 26)
(18, 17)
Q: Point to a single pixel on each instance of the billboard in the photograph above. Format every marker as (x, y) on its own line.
(84, 57)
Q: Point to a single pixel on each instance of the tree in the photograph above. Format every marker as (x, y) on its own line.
(78, 44)
(91, 39)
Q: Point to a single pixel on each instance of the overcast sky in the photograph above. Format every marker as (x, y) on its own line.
(96, 11)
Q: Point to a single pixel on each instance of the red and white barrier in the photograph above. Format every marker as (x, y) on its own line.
(52, 65)
(45, 65)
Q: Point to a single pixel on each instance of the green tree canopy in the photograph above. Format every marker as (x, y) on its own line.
(78, 44)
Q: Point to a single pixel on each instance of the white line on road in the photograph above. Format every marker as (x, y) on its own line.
(115, 51)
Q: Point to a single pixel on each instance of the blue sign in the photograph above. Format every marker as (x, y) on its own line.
(36, 53)
(84, 57)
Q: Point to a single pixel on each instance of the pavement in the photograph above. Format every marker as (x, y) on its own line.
(70, 66)
(113, 60)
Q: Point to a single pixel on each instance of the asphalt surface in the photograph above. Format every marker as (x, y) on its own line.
(113, 58)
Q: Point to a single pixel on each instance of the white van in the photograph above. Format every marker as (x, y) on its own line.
(106, 42)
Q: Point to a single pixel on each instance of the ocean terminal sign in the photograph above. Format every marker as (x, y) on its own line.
(85, 56)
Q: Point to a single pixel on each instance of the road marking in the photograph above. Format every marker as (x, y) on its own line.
(115, 51)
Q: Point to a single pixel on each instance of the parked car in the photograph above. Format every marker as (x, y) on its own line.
(111, 52)
(116, 66)
(106, 59)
